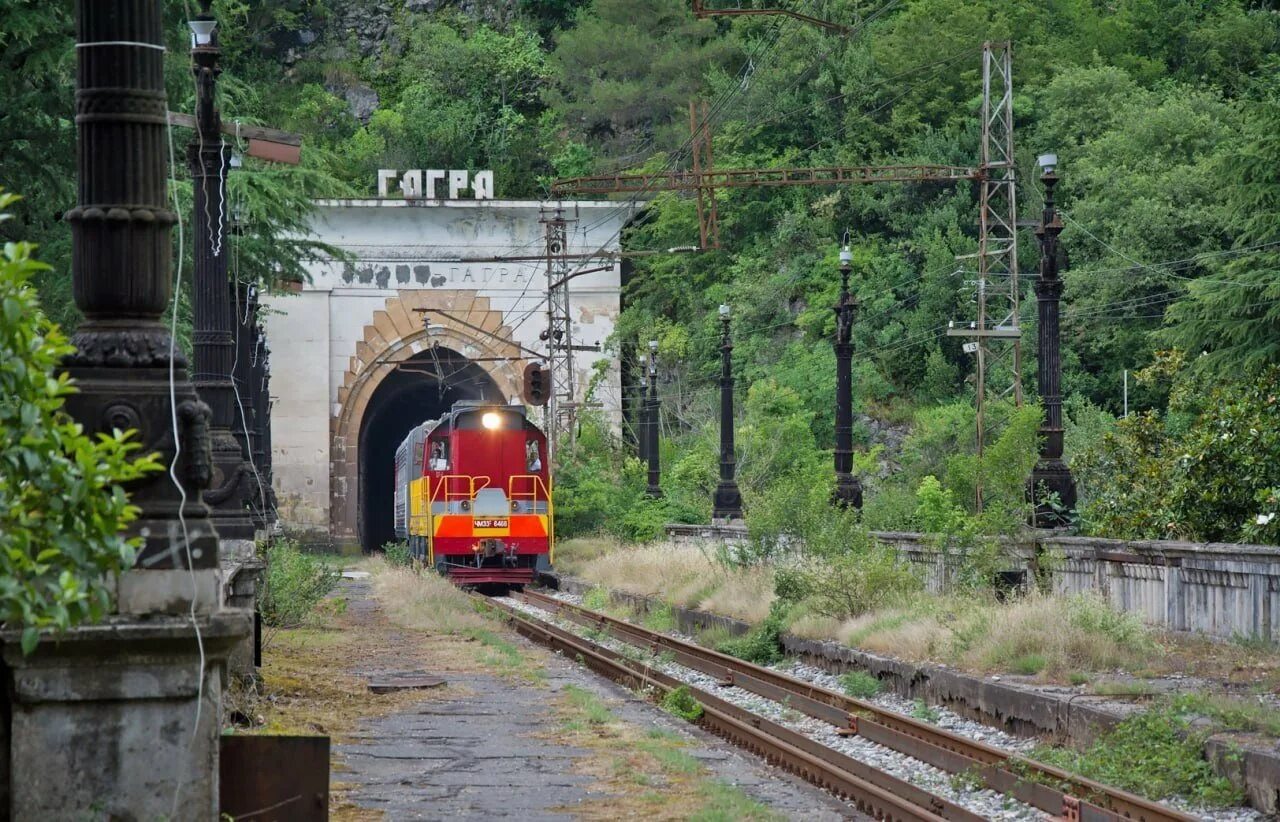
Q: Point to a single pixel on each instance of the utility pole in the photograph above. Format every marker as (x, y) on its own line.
(213, 344)
(998, 345)
(727, 503)
(848, 491)
(1051, 475)
(654, 491)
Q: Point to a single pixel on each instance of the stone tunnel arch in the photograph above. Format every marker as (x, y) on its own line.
(401, 374)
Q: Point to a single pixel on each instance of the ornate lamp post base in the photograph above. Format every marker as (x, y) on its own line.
(727, 503)
(848, 491)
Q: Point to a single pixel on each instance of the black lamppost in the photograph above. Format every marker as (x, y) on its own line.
(848, 491)
(727, 504)
(1051, 475)
(121, 241)
(655, 489)
(642, 406)
(213, 344)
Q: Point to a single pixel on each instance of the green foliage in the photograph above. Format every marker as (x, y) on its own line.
(859, 684)
(1154, 754)
(762, 644)
(627, 69)
(925, 712)
(597, 599)
(660, 617)
(680, 702)
(63, 507)
(1233, 315)
(293, 585)
(397, 554)
(1028, 664)
(1206, 469)
(866, 577)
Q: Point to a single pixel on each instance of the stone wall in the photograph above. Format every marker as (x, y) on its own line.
(1223, 590)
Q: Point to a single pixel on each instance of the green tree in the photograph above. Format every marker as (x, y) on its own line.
(1232, 314)
(626, 71)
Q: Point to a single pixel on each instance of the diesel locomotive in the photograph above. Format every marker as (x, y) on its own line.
(473, 495)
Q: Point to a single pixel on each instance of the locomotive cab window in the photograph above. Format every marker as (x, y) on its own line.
(439, 460)
(533, 461)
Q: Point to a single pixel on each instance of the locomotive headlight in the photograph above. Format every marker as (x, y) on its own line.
(491, 421)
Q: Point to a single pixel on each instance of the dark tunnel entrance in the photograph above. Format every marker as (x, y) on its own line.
(418, 389)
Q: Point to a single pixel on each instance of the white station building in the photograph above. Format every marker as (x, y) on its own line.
(420, 319)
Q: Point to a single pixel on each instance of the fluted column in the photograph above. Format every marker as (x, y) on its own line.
(122, 281)
(212, 339)
(727, 503)
(1051, 476)
(848, 490)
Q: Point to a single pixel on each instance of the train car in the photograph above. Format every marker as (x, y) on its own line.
(477, 495)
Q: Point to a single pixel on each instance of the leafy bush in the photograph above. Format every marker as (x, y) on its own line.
(859, 684)
(761, 644)
(1153, 754)
(681, 703)
(859, 581)
(1208, 468)
(63, 507)
(397, 554)
(293, 585)
(597, 599)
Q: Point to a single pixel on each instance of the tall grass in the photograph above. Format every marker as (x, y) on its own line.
(426, 602)
(683, 575)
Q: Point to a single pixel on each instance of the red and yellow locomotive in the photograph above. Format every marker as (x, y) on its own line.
(473, 495)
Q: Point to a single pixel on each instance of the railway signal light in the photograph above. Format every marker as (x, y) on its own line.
(537, 384)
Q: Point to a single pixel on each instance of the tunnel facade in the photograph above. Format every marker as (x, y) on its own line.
(431, 302)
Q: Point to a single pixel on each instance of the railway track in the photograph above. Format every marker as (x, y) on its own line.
(872, 791)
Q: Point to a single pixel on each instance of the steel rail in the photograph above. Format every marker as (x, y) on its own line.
(872, 791)
(1043, 786)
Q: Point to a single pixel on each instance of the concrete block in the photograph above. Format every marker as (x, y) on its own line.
(169, 591)
(118, 720)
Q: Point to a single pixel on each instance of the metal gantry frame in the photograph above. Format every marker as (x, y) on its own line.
(996, 333)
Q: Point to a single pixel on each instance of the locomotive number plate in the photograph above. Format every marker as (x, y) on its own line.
(490, 523)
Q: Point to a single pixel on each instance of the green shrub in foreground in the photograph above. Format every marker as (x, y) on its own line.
(63, 508)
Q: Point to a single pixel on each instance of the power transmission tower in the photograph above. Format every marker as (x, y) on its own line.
(561, 408)
(996, 335)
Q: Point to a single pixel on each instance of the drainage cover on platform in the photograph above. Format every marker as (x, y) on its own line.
(387, 683)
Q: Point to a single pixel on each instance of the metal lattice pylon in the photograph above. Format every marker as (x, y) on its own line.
(996, 332)
(561, 408)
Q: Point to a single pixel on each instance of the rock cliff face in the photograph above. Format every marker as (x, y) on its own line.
(356, 29)
(366, 24)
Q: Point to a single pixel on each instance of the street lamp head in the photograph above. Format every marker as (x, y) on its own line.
(846, 257)
(202, 30)
(724, 312)
(653, 346)
(644, 360)
(1047, 163)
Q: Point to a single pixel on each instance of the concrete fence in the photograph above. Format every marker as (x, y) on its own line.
(1219, 589)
